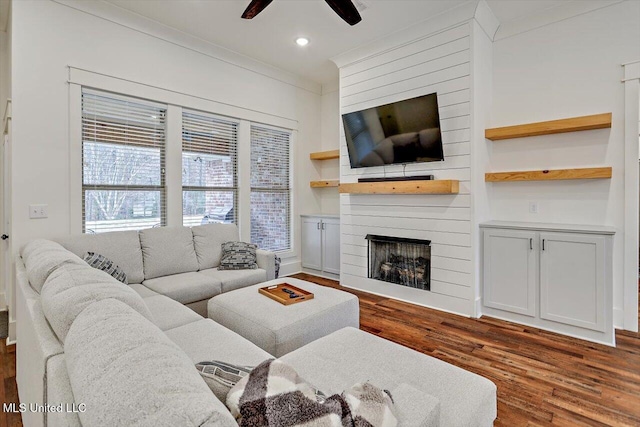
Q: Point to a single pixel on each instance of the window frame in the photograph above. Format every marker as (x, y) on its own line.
(236, 175)
(290, 251)
(161, 188)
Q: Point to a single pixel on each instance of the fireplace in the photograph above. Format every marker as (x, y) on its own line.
(405, 262)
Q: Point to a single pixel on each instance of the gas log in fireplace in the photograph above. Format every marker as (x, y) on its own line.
(401, 261)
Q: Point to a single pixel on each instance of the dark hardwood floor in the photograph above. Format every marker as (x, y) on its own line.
(543, 379)
(8, 387)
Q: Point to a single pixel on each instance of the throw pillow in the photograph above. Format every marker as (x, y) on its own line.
(105, 264)
(238, 256)
(278, 262)
(221, 376)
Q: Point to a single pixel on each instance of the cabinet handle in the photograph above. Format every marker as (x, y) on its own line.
(318, 224)
(543, 244)
(531, 243)
(323, 224)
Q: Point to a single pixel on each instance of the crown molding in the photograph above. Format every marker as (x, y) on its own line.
(566, 10)
(486, 19)
(141, 24)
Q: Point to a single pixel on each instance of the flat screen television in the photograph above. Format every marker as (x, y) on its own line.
(403, 132)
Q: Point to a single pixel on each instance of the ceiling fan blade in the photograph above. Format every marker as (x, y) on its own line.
(254, 8)
(346, 10)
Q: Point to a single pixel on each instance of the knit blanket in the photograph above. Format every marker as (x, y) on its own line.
(274, 395)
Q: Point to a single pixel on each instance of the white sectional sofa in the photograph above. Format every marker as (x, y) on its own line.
(177, 262)
(127, 353)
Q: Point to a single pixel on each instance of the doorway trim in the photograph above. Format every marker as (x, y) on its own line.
(631, 81)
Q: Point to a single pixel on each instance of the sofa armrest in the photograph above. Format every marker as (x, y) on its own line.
(267, 261)
(414, 407)
(36, 345)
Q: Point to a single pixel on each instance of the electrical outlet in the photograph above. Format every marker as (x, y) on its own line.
(38, 211)
(533, 207)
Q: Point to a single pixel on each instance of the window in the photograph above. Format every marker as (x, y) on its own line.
(209, 166)
(123, 148)
(270, 188)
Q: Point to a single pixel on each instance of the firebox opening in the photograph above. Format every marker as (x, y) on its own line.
(399, 260)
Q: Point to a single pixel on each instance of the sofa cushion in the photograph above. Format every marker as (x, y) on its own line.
(42, 257)
(128, 373)
(72, 288)
(167, 250)
(416, 407)
(236, 279)
(208, 340)
(348, 356)
(143, 291)
(121, 247)
(168, 313)
(208, 240)
(186, 287)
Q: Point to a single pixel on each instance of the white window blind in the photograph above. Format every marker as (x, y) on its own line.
(123, 150)
(209, 169)
(270, 188)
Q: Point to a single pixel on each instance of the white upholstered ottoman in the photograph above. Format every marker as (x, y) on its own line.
(280, 329)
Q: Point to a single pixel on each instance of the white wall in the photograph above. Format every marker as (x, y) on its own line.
(52, 36)
(418, 64)
(330, 140)
(568, 68)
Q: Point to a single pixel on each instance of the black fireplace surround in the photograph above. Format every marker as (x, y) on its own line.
(398, 260)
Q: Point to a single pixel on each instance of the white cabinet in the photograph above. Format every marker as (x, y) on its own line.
(321, 243)
(311, 243)
(572, 279)
(510, 267)
(554, 277)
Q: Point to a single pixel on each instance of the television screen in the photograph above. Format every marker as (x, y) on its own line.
(403, 132)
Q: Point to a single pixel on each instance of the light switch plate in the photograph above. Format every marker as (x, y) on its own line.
(38, 211)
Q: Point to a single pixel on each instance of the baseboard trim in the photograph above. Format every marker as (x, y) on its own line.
(618, 318)
(289, 268)
(478, 308)
(11, 339)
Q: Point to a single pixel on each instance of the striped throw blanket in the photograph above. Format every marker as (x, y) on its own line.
(274, 395)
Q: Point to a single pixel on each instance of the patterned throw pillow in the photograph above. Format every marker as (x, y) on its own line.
(238, 256)
(221, 376)
(105, 264)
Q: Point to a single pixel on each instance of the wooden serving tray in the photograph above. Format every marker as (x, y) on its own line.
(275, 292)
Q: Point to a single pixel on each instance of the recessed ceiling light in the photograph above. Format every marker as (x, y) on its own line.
(302, 41)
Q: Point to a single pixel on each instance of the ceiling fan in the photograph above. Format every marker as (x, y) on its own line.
(344, 8)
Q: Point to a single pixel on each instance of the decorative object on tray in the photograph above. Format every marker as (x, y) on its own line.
(273, 394)
(238, 256)
(103, 263)
(286, 294)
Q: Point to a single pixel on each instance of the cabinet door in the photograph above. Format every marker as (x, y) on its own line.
(311, 243)
(572, 279)
(331, 246)
(510, 270)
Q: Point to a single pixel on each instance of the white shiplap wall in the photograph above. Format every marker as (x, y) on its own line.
(439, 62)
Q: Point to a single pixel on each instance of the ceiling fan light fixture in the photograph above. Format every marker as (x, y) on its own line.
(302, 41)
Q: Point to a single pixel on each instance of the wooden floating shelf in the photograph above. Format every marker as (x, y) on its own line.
(439, 186)
(544, 175)
(324, 184)
(574, 124)
(325, 155)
